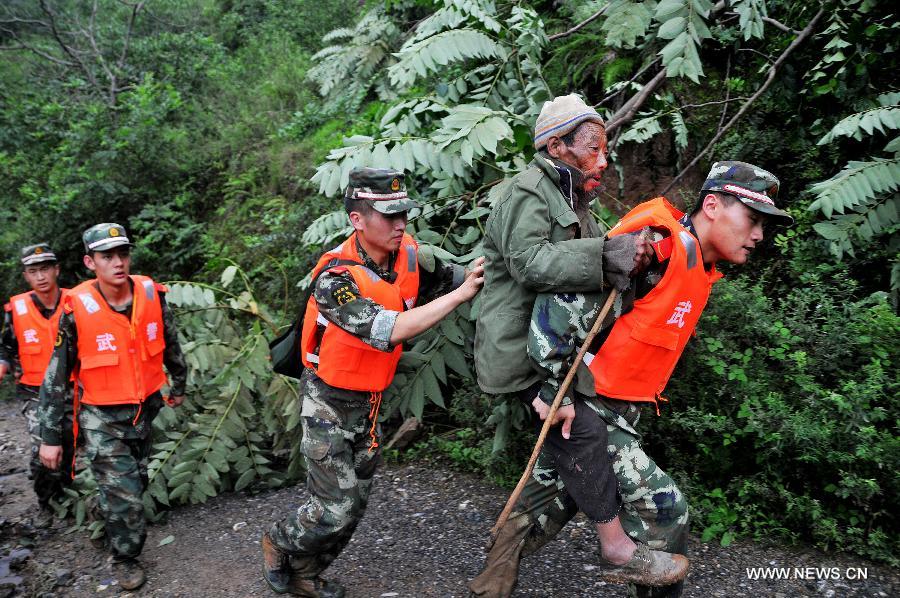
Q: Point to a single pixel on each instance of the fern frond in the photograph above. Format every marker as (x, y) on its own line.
(642, 130)
(855, 125)
(426, 56)
(856, 185)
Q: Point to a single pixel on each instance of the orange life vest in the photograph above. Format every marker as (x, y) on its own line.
(338, 357)
(637, 358)
(121, 360)
(35, 335)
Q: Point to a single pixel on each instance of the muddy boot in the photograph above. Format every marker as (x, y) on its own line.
(315, 588)
(44, 518)
(276, 566)
(129, 573)
(501, 569)
(647, 568)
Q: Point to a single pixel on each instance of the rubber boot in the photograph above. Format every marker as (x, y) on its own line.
(276, 566)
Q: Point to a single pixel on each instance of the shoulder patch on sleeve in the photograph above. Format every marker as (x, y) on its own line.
(67, 304)
(343, 294)
(160, 287)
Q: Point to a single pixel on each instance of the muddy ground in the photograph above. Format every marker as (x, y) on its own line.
(423, 535)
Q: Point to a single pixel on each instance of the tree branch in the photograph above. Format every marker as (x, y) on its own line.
(769, 79)
(780, 25)
(594, 16)
(624, 87)
(629, 108)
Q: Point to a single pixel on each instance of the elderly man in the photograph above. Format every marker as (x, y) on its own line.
(633, 356)
(541, 238)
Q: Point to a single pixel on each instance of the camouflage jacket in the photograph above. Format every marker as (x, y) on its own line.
(339, 301)
(537, 240)
(9, 344)
(560, 323)
(65, 358)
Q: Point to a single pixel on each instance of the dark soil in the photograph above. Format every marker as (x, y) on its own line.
(423, 535)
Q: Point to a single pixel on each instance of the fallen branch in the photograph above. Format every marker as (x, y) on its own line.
(769, 79)
(630, 108)
(594, 16)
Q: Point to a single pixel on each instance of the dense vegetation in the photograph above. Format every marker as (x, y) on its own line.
(220, 133)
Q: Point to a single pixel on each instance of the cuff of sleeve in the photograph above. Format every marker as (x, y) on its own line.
(459, 276)
(382, 327)
(178, 387)
(618, 260)
(6, 363)
(548, 392)
(51, 437)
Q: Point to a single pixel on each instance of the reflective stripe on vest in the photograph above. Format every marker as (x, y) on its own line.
(35, 335)
(120, 360)
(341, 359)
(637, 358)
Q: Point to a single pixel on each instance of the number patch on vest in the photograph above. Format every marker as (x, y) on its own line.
(343, 295)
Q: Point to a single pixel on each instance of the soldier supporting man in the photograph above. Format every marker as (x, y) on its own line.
(541, 237)
(363, 306)
(634, 355)
(30, 328)
(116, 333)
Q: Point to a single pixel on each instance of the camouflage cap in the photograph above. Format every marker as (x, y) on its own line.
(755, 187)
(36, 254)
(385, 188)
(103, 237)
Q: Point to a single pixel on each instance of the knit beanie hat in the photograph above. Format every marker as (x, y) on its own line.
(560, 116)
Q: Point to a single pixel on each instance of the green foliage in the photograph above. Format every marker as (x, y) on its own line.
(684, 23)
(787, 408)
(626, 22)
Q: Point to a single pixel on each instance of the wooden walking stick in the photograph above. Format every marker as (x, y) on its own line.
(504, 515)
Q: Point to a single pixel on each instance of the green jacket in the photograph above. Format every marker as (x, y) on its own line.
(534, 243)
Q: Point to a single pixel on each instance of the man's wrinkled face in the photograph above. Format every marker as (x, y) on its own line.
(735, 232)
(42, 277)
(111, 267)
(587, 153)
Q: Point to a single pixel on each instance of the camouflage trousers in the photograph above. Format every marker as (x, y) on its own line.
(117, 442)
(654, 510)
(340, 468)
(48, 484)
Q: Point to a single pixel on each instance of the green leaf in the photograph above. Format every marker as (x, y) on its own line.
(417, 398)
(244, 480)
(166, 540)
(228, 275)
(431, 386)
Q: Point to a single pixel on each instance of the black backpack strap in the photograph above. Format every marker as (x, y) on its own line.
(298, 322)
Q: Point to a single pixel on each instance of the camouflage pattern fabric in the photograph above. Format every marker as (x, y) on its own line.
(340, 468)
(340, 301)
(117, 447)
(384, 187)
(335, 422)
(48, 484)
(654, 510)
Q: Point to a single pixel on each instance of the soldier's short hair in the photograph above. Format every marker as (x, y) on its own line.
(363, 206)
(725, 198)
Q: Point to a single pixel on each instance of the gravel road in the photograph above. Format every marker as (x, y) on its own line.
(423, 535)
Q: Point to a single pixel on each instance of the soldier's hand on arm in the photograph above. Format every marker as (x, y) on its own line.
(50, 455)
(642, 256)
(419, 319)
(565, 414)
